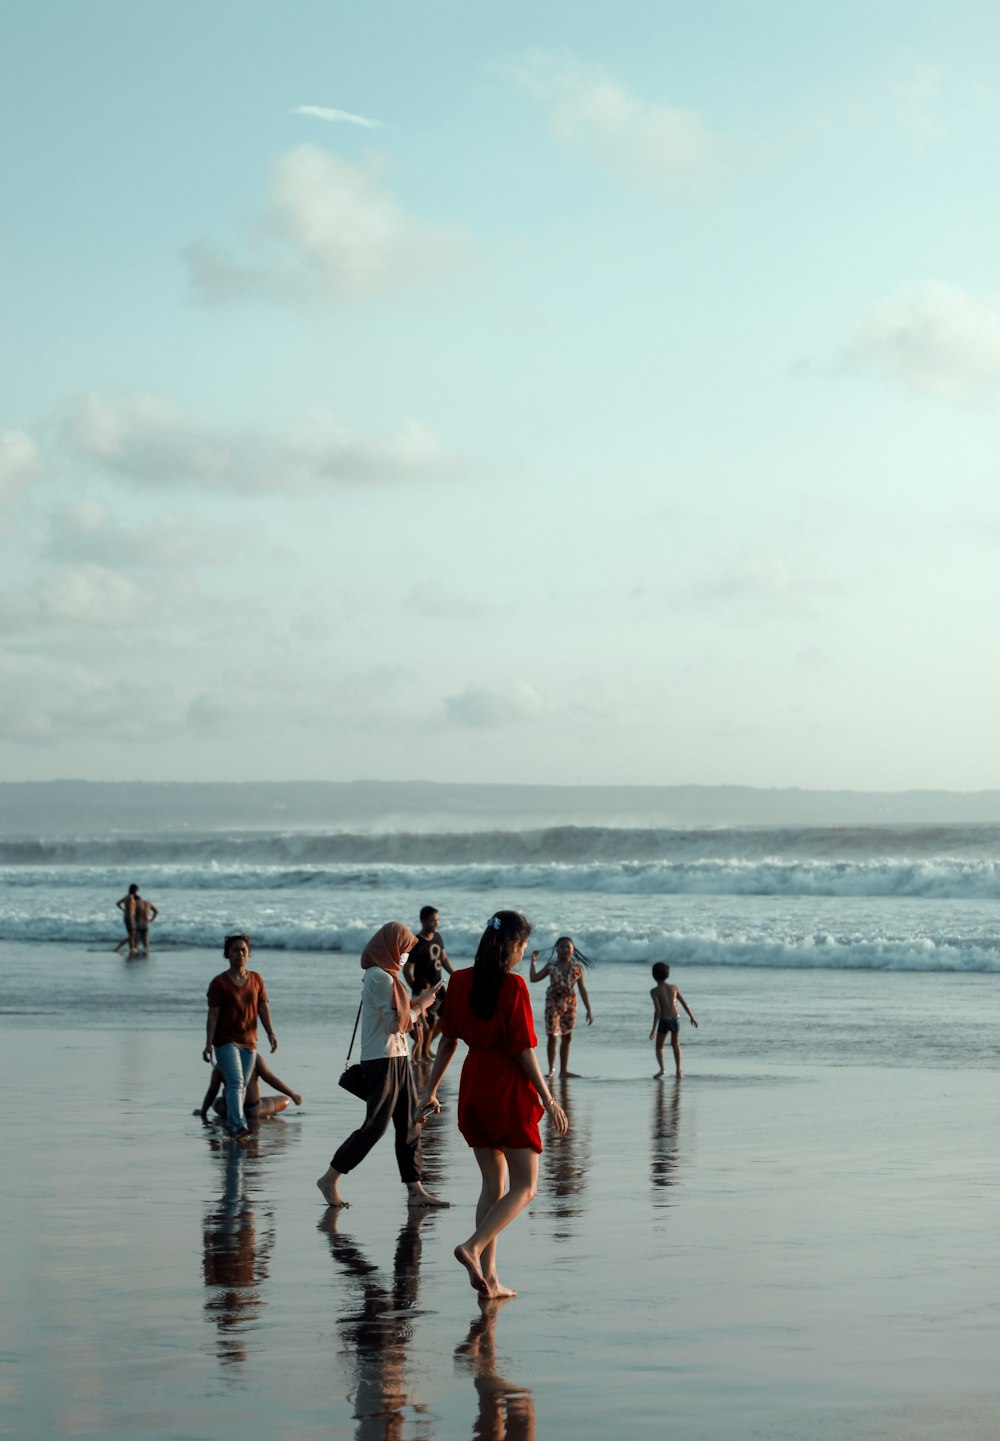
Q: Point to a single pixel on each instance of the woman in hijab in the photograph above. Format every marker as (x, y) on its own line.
(387, 1014)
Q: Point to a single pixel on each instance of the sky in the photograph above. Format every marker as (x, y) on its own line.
(565, 393)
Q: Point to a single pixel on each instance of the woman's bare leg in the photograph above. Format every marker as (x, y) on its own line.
(552, 1056)
(495, 1177)
(493, 1169)
(327, 1184)
(522, 1171)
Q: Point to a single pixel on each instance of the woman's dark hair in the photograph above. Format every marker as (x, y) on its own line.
(577, 953)
(504, 931)
(230, 941)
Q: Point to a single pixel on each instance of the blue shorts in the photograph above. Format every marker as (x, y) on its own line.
(668, 1027)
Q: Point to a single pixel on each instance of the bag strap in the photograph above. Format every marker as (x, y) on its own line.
(350, 1048)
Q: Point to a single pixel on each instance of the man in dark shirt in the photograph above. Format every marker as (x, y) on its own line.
(422, 971)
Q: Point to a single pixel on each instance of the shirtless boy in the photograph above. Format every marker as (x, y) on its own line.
(666, 1021)
(145, 914)
(127, 906)
(256, 1106)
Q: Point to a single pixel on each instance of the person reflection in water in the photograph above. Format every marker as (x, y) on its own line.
(235, 1263)
(506, 1411)
(565, 1166)
(377, 1323)
(664, 1158)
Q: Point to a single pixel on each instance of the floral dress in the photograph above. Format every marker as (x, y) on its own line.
(560, 999)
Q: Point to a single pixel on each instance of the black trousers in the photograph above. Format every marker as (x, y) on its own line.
(391, 1096)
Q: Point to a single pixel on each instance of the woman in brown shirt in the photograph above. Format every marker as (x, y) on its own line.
(235, 999)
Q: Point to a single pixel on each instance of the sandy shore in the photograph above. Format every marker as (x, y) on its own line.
(764, 1250)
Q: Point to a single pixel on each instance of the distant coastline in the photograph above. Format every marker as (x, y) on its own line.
(90, 807)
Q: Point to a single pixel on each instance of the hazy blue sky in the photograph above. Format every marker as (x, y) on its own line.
(535, 392)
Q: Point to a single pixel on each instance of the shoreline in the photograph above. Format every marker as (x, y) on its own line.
(763, 1246)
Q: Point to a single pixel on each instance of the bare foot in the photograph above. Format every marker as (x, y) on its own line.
(569, 1075)
(658, 1074)
(471, 1264)
(420, 1196)
(550, 1075)
(679, 1076)
(496, 1291)
(244, 1138)
(327, 1187)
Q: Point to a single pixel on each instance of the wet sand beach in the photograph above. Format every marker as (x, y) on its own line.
(773, 1247)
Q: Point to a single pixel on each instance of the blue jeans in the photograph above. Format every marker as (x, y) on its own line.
(236, 1064)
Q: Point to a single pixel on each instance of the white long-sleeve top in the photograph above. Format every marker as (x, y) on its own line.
(380, 1033)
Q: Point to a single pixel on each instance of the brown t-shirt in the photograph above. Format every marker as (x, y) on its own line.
(237, 1007)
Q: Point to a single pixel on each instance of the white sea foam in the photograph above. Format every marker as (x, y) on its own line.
(939, 877)
(894, 898)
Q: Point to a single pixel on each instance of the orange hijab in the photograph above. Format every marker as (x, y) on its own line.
(384, 950)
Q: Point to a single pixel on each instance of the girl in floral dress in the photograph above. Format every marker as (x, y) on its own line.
(565, 973)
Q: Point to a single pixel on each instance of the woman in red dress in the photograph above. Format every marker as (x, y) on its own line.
(502, 1093)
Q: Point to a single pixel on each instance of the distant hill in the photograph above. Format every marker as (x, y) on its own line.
(68, 807)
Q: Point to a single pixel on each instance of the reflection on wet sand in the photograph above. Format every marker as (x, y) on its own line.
(377, 1324)
(235, 1259)
(506, 1412)
(564, 1166)
(664, 1153)
(434, 1146)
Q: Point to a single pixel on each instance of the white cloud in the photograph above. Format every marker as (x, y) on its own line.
(482, 708)
(433, 598)
(169, 541)
(90, 595)
(766, 581)
(916, 96)
(19, 460)
(939, 341)
(589, 110)
(344, 117)
(329, 451)
(44, 702)
(74, 598)
(332, 229)
(147, 441)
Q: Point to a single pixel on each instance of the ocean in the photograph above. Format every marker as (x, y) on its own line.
(906, 896)
(828, 901)
(797, 1240)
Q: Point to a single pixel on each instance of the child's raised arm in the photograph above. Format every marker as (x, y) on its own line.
(538, 975)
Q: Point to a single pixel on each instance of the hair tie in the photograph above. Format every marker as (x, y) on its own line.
(494, 921)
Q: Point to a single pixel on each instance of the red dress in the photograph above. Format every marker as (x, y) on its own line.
(497, 1104)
